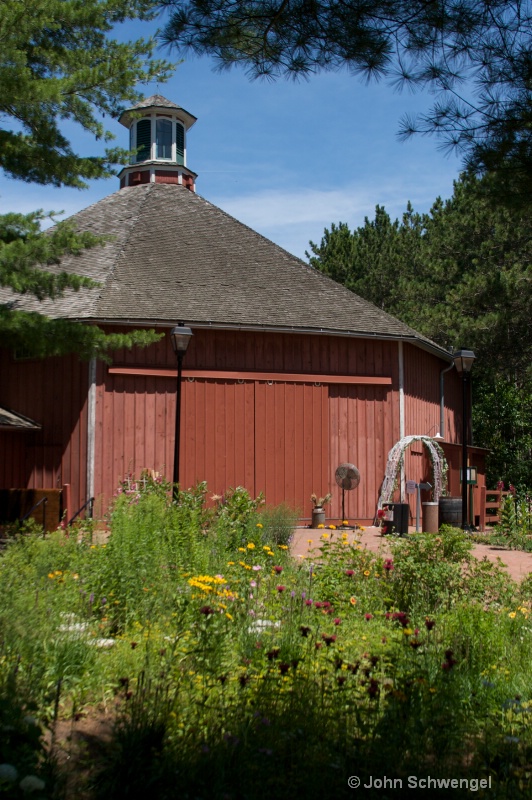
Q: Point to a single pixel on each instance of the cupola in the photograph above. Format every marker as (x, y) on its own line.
(157, 138)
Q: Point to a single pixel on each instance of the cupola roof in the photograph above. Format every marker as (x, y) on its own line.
(154, 102)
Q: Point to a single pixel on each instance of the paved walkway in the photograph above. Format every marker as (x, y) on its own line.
(517, 563)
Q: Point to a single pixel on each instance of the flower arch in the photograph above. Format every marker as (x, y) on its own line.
(395, 461)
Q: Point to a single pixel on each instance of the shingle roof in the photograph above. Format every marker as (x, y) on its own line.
(174, 256)
(156, 101)
(13, 421)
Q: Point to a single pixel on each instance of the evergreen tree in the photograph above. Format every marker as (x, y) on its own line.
(59, 64)
(461, 274)
(474, 55)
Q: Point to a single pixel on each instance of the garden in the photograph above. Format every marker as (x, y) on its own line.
(220, 667)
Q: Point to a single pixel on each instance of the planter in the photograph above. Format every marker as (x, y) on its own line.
(318, 516)
(451, 511)
(430, 517)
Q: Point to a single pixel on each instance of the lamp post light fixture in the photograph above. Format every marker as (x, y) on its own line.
(180, 337)
(463, 361)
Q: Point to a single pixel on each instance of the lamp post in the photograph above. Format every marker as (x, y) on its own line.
(463, 361)
(180, 337)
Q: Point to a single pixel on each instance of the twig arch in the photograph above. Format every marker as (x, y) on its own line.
(395, 461)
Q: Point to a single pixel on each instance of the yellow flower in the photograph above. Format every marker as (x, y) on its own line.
(407, 631)
(324, 535)
(283, 547)
(332, 527)
(321, 525)
(512, 614)
(51, 575)
(361, 527)
(58, 572)
(353, 601)
(309, 541)
(259, 525)
(228, 615)
(251, 546)
(76, 576)
(230, 563)
(367, 573)
(345, 522)
(266, 547)
(241, 549)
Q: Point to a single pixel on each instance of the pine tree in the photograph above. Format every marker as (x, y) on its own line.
(60, 64)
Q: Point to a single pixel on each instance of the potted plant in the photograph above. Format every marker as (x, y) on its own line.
(318, 510)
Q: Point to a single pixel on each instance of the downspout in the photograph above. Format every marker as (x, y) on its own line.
(442, 400)
(91, 428)
(402, 409)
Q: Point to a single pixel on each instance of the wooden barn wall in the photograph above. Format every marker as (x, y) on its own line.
(422, 416)
(53, 392)
(282, 437)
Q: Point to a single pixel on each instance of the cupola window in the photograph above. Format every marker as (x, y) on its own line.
(143, 140)
(163, 137)
(179, 144)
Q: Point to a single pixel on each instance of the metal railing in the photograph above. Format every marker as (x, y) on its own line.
(43, 501)
(89, 504)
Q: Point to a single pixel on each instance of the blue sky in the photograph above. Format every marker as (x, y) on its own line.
(285, 158)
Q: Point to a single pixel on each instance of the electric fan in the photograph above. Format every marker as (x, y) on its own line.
(347, 478)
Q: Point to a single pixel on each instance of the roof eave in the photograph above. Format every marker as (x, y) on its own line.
(418, 341)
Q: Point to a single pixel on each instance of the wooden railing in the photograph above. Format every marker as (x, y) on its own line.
(491, 501)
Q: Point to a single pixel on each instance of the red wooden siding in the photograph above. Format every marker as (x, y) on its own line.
(364, 424)
(327, 400)
(422, 396)
(273, 412)
(53, 393)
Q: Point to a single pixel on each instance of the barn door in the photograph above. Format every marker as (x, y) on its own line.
(291, 442)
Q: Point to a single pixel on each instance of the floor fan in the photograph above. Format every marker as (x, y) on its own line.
(347, 478)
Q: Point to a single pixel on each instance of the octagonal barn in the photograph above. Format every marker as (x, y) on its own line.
(288, 374)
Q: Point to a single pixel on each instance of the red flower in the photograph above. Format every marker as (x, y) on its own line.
(350, 573)
(280, 589)
(278, 570)
(401, 618)
(328, 639)
(429, 623)
(368, 616)
(337, 621)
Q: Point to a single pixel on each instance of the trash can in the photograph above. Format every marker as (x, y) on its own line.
(430, 518)
(397, 518)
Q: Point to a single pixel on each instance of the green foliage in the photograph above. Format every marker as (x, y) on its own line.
(428, 570)
(278, 523)
(476, 44)
(244, 673)
(61, 65)
(460, 274)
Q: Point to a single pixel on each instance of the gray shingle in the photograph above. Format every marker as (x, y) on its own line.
(175, 256)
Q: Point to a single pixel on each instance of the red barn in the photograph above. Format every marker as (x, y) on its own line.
(288, 374)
